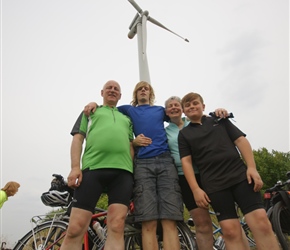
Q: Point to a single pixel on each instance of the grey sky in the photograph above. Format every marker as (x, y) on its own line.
(56, 55)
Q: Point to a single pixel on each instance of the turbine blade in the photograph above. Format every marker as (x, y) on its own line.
(152, 20)
(136, 6)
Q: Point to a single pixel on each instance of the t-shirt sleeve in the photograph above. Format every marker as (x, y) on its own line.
(184, 148)
(124, 109)
(80, 126)
(233, 132)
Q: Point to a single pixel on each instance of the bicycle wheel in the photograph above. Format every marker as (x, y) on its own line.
(281, 224)
(249, 235)
(186, 239)
(48, 235)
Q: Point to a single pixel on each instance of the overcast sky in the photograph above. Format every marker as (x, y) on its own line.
(56, 55)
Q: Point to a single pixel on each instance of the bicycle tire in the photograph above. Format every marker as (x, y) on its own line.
(186, 239)
(281, 219)
(248, 234)
(48, 235)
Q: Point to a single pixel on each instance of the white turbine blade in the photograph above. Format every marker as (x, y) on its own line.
(144, 34)
(136, 6)
(152, 20)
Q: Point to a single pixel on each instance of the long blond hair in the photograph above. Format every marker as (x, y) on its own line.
(139, 85)
(11, 188)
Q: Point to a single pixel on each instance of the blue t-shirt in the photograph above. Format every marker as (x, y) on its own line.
(149, 121)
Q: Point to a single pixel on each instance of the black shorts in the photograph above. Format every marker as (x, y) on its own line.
(223, 202)
(187, 195)
(117, 183)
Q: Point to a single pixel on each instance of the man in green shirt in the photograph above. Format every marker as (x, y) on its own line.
(106, 164)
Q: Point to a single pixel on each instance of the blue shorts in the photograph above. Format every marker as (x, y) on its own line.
(117, 183)
(157, 194)
(223, 202)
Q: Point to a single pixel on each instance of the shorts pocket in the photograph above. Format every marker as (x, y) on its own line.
(138, 200)
(179, 196)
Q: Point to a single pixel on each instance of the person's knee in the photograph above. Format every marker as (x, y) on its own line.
(117, 224)
(75, 230)
(262, 225)
(149, 225)
(202, 221)
(231, 230)
(116, 217)
(169, 225)
(204, 228)
(258, 221)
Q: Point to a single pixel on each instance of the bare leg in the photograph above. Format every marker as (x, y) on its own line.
(149, 240)
(170, 235)
(203, 228)
(116, 223)
(233, 235)
(78, 224)
(262, 229)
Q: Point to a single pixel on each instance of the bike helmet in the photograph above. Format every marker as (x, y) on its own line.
(56, 198)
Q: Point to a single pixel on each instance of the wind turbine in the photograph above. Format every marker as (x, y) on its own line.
(138, 25)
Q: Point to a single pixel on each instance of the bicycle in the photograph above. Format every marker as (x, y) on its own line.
(219, 243)
(279, 212)
(133, 241)
(48, 232)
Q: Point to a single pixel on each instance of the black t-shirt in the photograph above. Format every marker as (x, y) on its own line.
(211, 146)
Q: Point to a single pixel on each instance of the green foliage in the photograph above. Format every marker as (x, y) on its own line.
(103, 201)
(272, 166)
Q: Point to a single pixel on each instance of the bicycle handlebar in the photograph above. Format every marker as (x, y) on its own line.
(231, 115)
(279, 185)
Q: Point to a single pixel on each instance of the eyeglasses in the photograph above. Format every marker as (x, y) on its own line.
(144, 87)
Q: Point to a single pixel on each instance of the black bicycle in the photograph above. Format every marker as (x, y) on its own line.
(279, 212)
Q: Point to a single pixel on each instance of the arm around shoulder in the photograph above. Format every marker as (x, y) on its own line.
(91, 107)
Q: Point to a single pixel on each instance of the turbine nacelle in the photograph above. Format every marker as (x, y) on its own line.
(138, 26)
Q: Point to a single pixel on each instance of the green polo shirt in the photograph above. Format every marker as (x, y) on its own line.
(108, 134)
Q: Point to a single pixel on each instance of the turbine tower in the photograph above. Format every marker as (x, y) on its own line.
(138, 26)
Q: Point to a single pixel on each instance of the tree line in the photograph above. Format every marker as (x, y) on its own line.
(272, 166)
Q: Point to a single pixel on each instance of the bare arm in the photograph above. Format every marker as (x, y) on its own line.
(141, 141)
(75, 176)
(201, 198)
(247, 153)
